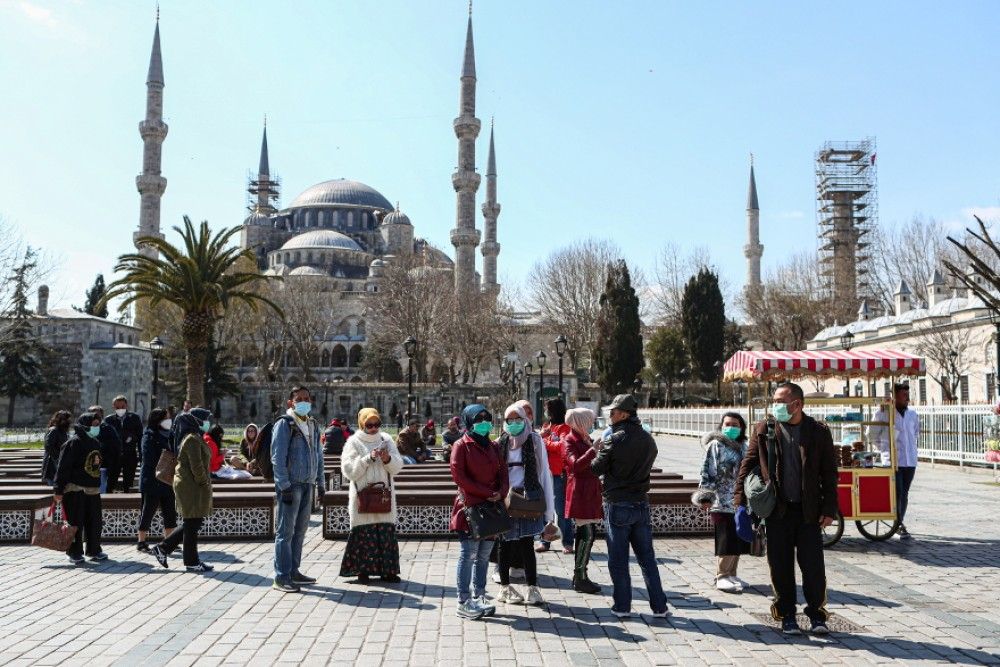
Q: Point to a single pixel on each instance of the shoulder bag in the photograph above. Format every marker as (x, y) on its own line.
(50, 534)
(521, 507)
(762, 496)
(375, 498)
(487, 519)
(166, 466)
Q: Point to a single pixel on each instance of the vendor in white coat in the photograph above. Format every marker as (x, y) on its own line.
(907, 436)
(370, 457)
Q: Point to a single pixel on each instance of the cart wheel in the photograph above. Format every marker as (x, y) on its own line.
(878, 530)
(833, 532)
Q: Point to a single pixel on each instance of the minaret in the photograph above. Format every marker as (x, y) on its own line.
(491, 211)
(753, 250)
(264, 188)
(465, 236)
(153, 130)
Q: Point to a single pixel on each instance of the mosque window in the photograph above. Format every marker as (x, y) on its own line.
(350, 219)
(298, 256)
(357, 354)
(325, 359)
(309, 257)
(338, 358)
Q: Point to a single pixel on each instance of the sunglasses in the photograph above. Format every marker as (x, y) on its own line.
(373, 425)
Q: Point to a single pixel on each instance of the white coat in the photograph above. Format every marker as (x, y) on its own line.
(357, 465)
(907, 437)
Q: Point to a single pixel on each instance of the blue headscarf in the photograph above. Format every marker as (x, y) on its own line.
(469, 415)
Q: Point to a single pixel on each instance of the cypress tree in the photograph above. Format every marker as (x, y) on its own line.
(22, 355)
(618, 353)
(703, 321)
(93, 305)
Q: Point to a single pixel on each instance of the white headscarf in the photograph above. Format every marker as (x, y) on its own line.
(514, 409)
(580, 420)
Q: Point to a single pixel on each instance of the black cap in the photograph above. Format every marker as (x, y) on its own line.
(624, 402)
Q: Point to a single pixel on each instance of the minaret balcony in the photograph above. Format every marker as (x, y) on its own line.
(491, 210)
(464, 236)
(148, 184)
(753, 250)
(465, 181)
(491, 248)
(153, 129)
(467, 127)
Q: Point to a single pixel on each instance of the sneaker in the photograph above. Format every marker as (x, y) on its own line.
(484, 604)
(509, 595)
(621, 614)
(728, 585)
(142, 546)
(99, 557)
(742, 583)
(299, 578)
(284, 586)
(818, 627)
(790, 626)
(585, 585)
(661, 614)
(469, 609)
(77, 560)
(200, 567)
(534, 596)
(903, 533)
(159, 554)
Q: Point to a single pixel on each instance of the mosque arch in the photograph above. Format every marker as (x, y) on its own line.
(338, 357)
(356, 355)
(325, 359)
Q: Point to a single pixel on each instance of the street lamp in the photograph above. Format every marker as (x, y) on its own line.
(953, 372)
(156, 347)
(540, 358)
(847, 341)
(97, 384)
(659, 381)
(560, 351)
(410, 347)
(527, 380)
(684, 373)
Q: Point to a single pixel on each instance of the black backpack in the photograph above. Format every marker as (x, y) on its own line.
(261, 462)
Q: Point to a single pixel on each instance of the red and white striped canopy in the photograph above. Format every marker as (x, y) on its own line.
(774, 365)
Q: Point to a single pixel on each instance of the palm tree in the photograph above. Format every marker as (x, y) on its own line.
(201, 280)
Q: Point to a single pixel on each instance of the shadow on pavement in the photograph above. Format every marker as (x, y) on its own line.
(370, 597)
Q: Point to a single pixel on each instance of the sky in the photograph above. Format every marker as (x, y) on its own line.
(631, 121)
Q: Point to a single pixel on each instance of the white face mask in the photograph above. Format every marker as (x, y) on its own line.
(120, 412)
(166, 424)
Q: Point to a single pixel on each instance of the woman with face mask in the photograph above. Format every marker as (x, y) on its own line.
(55, 438)
(78, 487)
(527, 468)
(583, 494)
(726, 448)
(155, 494)
(370, 457)
(192, 487)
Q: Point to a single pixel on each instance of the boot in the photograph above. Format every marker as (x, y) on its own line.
(584, 540)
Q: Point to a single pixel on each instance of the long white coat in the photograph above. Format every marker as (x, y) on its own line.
(357, 465)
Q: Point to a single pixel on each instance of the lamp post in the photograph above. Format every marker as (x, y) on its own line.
(846, 342)
(659, 392)
(540, 358)
(717, 367)
(410, 347)
(515, 378)
(156, 347)
(527, 380)
(97, 384)
(685, 372)
(995, 320)
(561, 343)
(953, 381)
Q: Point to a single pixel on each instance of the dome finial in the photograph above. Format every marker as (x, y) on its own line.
(158, 11)
(751, 158)
(397, 206)
(470, 8)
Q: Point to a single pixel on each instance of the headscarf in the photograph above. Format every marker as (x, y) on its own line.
(517, 440)
(580, 420)
(365, 414)
(247, 430)
(468, 415)
(186, 424)
(528, 410)
(85, 421)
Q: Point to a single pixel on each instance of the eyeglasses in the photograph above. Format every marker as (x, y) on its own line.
(372, 425)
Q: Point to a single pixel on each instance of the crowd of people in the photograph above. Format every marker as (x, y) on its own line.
(562, 480)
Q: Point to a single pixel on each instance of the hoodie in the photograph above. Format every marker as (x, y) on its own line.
(80, 460)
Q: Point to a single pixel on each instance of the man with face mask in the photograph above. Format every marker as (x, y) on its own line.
(128, 427)
(806, 482)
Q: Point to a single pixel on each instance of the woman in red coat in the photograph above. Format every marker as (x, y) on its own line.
(583, 493)
(478, 471)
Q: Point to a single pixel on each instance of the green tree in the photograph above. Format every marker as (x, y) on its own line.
(202, 278)
(618, 353)
(95, 305)
(703, 322)
(22, 354)
(667, 356)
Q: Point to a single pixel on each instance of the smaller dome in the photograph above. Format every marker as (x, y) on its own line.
(947, 307)
(321, 238)
(306, 271)
(396, 217)
(258, 218)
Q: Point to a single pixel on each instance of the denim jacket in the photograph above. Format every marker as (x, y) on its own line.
(296, 461)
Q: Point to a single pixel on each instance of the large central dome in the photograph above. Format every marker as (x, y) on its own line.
(342, 191)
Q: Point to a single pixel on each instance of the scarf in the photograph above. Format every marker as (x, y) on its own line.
(468, 415)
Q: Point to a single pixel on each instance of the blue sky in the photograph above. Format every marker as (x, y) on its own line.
(627, 120)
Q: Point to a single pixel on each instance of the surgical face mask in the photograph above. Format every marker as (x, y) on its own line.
(780, 412)
(166, 424)
(647, 428)
(482, 428)
(514, 428)
(120, 412)
(206, 426)
(731, 432)
(94, 431)
(302, 408)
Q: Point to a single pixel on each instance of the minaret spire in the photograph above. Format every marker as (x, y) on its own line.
(465, 180)
(263, 169)
(753, 250)
(264, 188)
(153, 131)
(491, 211)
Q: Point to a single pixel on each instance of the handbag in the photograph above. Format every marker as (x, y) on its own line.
(50, 534)
(521, 507)
(375, 498)
(762, 496)
(758, 545)
(487, 519)
(166, 466)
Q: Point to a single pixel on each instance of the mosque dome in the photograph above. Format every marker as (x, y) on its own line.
(397, 217)
(306, 271)
(342, 191)
(321, 238)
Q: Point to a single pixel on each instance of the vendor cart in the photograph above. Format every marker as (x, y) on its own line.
(866, 480)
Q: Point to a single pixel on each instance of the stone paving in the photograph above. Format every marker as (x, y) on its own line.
(932, 600)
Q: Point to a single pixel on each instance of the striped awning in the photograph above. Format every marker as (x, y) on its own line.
(775, 365)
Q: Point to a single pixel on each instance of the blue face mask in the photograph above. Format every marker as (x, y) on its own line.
(780, 412)
(94, 431)
(514, 428)
(206, 426)
(302, 408)
(731, 432)
(482, 428)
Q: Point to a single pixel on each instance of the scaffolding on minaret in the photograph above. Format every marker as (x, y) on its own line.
(846, 216)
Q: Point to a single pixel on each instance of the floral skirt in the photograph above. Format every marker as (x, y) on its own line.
(372, 549)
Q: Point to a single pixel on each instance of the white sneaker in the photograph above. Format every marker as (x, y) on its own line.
(517, 573)
(496, 574)
(488, 608)
(469, 609)
(622, 614)
(534, 596)
(728, 585)
(742, 583)
(509, 595)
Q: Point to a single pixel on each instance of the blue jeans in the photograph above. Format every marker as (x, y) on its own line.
(565, 525)
(410, 460)
(293, 520)
(628, 523)
(473, 562)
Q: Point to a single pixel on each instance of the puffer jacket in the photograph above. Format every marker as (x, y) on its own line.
(719, 472)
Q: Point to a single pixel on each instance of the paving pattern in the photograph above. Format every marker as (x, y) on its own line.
(931, 600)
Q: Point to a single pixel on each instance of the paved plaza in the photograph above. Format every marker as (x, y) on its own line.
(932, 600)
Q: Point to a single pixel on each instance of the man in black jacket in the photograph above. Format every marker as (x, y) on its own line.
(128, 428)
(624, 460)
(805, 471)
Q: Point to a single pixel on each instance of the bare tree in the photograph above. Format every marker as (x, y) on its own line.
(309, 314)
(909, 252)
(951, 348)
(671, 272)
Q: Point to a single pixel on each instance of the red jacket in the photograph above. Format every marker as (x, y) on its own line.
(583, 488)
(479, 473)
(554, 446)
(217, 458)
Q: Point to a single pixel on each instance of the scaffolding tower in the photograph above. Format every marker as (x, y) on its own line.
(262, 193)
(846, 215)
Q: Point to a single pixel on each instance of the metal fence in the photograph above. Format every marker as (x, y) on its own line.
(14, 436)
(951, 433)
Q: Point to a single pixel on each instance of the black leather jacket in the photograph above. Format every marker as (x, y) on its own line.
(625, 462)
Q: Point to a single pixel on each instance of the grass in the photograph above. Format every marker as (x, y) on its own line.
(37, 444)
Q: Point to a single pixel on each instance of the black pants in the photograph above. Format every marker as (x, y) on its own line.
(84, 512)
(523, 549)
(161, 496)
(189, 534)
(788, 540)
(130, 461)
(904, 478)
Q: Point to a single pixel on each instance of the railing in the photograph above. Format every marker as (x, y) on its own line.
(14, 436)
(947, 432)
